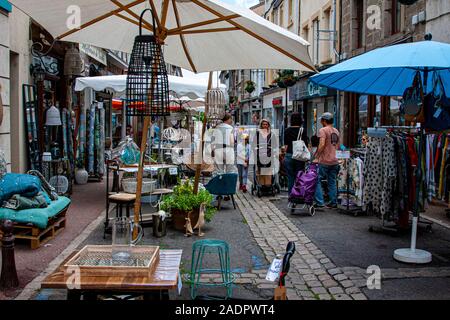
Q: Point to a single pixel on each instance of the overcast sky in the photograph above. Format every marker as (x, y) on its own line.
(242, 3)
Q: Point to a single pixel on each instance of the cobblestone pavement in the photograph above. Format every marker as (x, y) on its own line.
(312, 274)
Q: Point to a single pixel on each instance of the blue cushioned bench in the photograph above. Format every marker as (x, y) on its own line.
(38, 225)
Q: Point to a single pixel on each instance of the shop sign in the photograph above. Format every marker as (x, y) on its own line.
(277, 102)
(94, 52)
(304, 89)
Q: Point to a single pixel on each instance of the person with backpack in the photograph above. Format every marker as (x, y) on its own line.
(328, 163)
(294, 133)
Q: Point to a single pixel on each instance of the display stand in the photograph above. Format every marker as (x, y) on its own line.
(354, 210)
(380, 132)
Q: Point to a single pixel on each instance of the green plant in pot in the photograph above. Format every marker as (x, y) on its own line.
(250, 86)
(183, 202)
(286, 78)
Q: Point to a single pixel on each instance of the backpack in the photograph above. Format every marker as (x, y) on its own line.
(299, 150)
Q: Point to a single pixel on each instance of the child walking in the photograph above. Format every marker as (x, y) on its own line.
(243, 156)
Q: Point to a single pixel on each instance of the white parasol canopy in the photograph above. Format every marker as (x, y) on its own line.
(198, 35)
(188, 88)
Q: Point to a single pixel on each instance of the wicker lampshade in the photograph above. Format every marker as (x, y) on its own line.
(147, 91)
(73, 64)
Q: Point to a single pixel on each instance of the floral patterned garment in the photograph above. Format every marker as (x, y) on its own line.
(380, 174)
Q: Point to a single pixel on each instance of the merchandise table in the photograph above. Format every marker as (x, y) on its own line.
(153, 287)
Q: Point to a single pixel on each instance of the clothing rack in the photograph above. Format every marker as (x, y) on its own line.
(355, 210)
(384, 228)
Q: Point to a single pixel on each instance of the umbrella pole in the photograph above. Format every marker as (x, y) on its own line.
(198, 168)
(412, 254)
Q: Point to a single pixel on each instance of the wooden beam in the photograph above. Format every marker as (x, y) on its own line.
(205, 31)
(165, 10)
(254, 35)
(198, 169)
(155, 13)
(203, 23)
(98, 19)
(183, 41)
(131, 13)
(132, 21)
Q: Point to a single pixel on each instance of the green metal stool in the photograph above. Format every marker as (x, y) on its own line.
(199, 249)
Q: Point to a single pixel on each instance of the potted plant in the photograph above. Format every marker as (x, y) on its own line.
(286, 78)
(250, 86)
(183, 202)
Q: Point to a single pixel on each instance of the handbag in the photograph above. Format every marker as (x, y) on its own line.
(299, 150)
(412, 107)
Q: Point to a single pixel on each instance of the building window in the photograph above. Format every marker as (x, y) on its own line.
(395, 16)
(359, 23)
(327, 45)
(282, 15)
(291, 12)
(316, 41)
(395, 116)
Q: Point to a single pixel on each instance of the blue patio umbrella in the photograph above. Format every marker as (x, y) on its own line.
(388, 71)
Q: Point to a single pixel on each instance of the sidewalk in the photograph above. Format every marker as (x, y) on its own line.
(333, 252)
(87, 204)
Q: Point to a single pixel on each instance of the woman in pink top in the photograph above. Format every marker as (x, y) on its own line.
(328, 163)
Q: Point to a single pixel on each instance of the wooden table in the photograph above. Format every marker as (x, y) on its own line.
(155, 287)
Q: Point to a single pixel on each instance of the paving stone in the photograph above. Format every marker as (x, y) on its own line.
(319, 290)
(323, 261)
(359, 296)
(336, 290)
(352, 290)
(316, 266)
(329, 283)
(329, 265)
(301, 287)
(334, 271)
(305, 271)
(324, 277)
(324, 296)
(313, 284)
(243, 281)
(347, 283)
(306, 294)
(340, 277)
(309, 277)
(320, 272)
(266, 286)
(360, 283)
(249, 275)
(342, 297)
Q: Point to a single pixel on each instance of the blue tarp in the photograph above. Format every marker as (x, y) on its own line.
(5, 5)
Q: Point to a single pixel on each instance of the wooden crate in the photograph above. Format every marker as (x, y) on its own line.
(147, 255)
(39, 237)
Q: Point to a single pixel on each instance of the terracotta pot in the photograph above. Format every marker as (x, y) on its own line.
(179, 218)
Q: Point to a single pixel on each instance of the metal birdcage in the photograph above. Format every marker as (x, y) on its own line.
(147, 91)
(215, 100)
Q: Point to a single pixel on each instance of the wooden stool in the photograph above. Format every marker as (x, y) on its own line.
(120, 200)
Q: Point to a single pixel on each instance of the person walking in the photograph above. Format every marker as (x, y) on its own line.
(243, 156)
(263, 142)
(290, 135)
(223, 146)
(328, 163)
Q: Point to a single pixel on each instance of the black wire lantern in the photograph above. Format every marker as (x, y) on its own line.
(147, 91)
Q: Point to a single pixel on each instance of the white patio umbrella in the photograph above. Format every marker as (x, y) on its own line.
(199, 35)
(182, 88)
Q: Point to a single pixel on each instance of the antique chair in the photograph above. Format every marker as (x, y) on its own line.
(223, 185)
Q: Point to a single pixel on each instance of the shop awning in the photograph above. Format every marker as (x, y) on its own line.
(191, 87)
